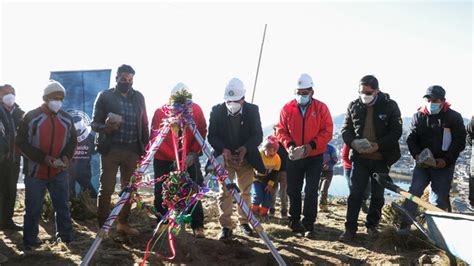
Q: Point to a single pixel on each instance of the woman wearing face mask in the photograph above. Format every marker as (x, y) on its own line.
(10, 165)
(305, 128)
(439, 128)
(375, 120)
(47, 138)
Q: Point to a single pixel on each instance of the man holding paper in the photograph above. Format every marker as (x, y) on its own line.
(439, 129)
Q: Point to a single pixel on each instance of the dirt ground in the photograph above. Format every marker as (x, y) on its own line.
(387, 248)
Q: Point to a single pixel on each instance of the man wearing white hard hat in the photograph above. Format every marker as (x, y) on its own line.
(165, 158)
(235, 131)
(47, 138)
(305, 128)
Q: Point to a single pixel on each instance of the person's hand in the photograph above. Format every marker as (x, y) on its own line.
(375, 147)
(111, 126)
(269, 189)
(242, 150)
(440, 163)
(49, 160)
(190, 159)
(227, 156)
(65, 161)
(307, 149)
(325, 167)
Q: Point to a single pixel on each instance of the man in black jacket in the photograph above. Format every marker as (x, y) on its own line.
(441, 130)
(372, 128)
(235, 132)
(470, 136)
(10, 164)
(121, 121)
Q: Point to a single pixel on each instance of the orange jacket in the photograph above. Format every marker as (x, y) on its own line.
(315, 129)
(166, 150)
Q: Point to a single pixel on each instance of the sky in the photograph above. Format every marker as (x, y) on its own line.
(408, 46)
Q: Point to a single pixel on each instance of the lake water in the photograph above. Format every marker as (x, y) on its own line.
(339, 187)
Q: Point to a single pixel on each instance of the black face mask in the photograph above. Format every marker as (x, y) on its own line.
(123, 87)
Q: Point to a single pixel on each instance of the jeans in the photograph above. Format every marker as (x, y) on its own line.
(35, 190)
(165, 167)
(362, 170)
(8, 179)
(440, 180)
(259, 196)
(309, 170)
(347, 175)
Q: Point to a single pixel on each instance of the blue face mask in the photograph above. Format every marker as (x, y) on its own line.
(434, 108)
(302, 99)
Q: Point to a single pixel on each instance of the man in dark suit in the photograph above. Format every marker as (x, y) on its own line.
(235, 132)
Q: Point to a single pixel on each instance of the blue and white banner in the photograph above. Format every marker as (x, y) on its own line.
(82, 88)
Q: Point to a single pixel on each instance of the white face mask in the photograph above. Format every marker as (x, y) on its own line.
(55, 105)
(233, 107)
(366, 99)
(9, 100)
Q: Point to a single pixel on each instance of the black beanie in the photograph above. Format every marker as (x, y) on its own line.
(371, 81)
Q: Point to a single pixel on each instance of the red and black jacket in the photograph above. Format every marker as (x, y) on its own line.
(43, 133)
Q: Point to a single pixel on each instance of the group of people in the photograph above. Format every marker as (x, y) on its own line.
(297, 157)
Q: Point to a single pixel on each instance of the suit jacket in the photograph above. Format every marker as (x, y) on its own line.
(251, 134)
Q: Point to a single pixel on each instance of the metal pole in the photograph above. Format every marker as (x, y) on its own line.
(258, 65)
(220, 171)
(125, 196)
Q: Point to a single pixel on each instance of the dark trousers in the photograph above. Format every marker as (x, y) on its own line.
(440, 179)
(83, 177)
(307, 170)
(164, 167)
(362, 170)
(9, 171)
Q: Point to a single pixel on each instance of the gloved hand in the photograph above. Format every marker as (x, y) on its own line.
(190, 159)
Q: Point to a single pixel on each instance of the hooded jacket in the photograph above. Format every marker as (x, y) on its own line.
(427, 131)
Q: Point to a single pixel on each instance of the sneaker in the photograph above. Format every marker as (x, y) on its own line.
(323, 208)
(372, 231)
(246, 229)
(296, 227)
(226, 234)
(127, 230)
(11, 226)
(347, 236)
(311, 234)
(199, 232)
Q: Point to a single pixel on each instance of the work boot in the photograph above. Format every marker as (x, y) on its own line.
(372, 231)
(127, 230)
(246, 229)
(198, 232)
(226, 234)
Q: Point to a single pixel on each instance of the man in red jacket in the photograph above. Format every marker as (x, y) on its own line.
(165, 159)
(304, 129)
